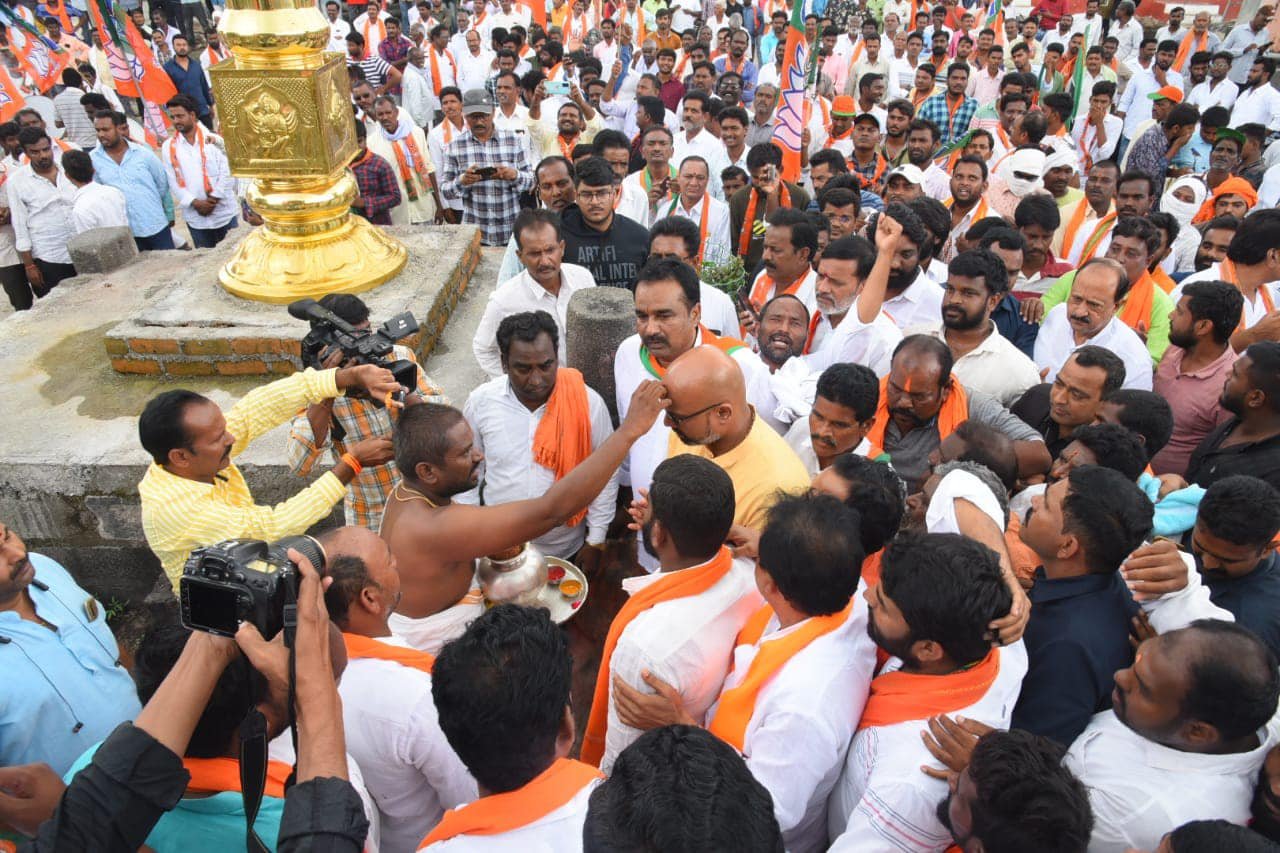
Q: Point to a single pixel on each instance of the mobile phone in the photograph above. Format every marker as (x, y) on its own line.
(486, 171)
(745, 303)
(557, 87)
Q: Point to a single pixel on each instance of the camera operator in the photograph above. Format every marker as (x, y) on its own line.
(193, 495)
(137, 774)
(341, 424)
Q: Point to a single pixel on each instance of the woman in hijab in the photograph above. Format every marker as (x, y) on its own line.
(1182, 201)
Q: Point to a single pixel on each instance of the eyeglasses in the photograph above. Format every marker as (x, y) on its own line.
(595, 195)
(680, 419)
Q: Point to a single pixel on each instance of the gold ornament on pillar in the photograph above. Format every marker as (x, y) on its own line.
(285, 107)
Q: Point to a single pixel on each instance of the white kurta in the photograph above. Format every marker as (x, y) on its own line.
(410, 210)
(1056, 341)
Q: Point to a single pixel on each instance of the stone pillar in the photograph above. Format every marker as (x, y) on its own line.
(102, 250)
(599, 318)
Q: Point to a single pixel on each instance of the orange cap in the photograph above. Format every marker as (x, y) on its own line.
(843, 105)
(1168, 93)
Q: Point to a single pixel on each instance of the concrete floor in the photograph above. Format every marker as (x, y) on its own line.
(452, 366)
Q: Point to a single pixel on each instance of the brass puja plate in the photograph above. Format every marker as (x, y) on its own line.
(561, 606)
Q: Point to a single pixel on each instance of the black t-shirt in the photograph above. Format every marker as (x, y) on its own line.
(1253, 599)
(614, 256)
(1033, 408)
(1210, 462)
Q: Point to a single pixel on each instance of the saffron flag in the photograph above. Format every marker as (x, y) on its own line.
(538, 9)
(153, 83)
(109, 35)
(995, 20)
(11, 99)
(793, 109)
(40, 58)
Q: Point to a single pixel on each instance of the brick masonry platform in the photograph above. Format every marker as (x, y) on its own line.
(192, 327)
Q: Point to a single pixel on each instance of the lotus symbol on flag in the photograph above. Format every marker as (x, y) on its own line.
(791, 112)
(39, 56)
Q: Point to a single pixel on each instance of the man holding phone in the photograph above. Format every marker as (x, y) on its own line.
(487, 170)
(577, 122)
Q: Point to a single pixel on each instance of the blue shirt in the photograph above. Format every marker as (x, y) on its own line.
(141, 178)
(1017, 331)
(205, 824)
(1253, 599)
(57, 680)
(1077, 637)
(191, 82)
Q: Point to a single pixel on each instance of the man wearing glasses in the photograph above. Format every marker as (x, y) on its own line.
(612, 247)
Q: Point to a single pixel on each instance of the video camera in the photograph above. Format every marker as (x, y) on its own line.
(244, 580)
(330, 333)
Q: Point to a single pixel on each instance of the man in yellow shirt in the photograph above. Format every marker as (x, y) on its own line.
(709, 416)
(193, 495)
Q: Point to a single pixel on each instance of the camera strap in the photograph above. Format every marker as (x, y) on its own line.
(253, 774)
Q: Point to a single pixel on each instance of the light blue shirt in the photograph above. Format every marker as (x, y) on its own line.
(205, 824)
(54, 681)
(141, 178)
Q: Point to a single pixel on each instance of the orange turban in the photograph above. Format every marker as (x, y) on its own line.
(1231, 186)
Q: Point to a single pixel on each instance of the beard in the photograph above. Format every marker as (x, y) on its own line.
(646, 539)
(900, 649)
(1184, 340)
(959, 321)
(900, 281)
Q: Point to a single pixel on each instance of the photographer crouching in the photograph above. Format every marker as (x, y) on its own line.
(341, 424)
(193, 494)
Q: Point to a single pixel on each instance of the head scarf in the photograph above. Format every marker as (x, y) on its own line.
(1184, 211)
(1060, 158)
(1231, 186)
(1029, 161)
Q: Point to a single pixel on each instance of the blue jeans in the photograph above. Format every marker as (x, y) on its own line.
(162, 239)
(207, 238)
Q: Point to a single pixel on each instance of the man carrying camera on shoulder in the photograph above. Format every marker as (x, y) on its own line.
(193, 495)
(343, 423)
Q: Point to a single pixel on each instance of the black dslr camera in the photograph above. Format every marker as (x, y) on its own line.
(243, 580)
(330, 333)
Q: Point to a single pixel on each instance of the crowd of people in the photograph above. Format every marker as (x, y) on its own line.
(943, 462)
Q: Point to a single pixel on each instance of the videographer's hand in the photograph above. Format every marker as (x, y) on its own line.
(29, 793)
(376, 382)
(322, 750)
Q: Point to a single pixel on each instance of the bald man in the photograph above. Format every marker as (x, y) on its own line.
(709, 416)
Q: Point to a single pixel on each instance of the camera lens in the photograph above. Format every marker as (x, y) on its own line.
(308, 547)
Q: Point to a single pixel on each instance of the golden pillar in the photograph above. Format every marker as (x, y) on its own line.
(285, 108)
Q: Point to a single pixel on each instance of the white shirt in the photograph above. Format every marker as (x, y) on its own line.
(871, 344)
(715, 248)
(607, 54)
(634, 204)
(687, 642)
(1206, 95)
(718, 311)
(1269, 192)
(1086, 137)
(473, 70)
(504, 430)
(903, 73)
(996, 367)
(98, 206)
(1056, 341)
(1135, 104)
(1091, 28)
(520, 16)
(707, 147)
(1260, 105)
(338, 31)
(519, 294)
(1130, 36)
(394, 735)
(417, 96)
(1242, 42)
(800, 439)
(803, 720)
(1140, 789)
(558, 831)
(883, 800)
(373, 37)
(920, 303)
(41, 211)
(220, 179)
(437, 141)
(1167, 34)
(1254, 309)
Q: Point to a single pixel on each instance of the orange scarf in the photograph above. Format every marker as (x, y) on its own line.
(436, 82)
(222, 775)
(382, 32)
(744, 239)
(1102, 229)
(764, 286)
(1227, 272)
(953, 412)
(725, 344)
(59, 10)
(1231, 186)
(897, 697)
(215, 56)
(360, 646)
(563, 437)
(1185, 50)
(738, 704)
(1160, 277)
(871, 566)
(682, 584)
(498, 813)
(177, 169)
(409, 161)
(1023, 558)
(1137, 303)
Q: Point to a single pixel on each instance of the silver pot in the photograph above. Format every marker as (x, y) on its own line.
(517, 576)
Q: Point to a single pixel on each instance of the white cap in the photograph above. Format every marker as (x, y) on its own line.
(910, 171)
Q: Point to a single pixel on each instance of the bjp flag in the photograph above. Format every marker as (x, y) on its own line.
(11, 99)
(109, 34)
(153, 83)
(793, 109)
(41, 63)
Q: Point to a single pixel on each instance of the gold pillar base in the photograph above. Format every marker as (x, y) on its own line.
(310, 244)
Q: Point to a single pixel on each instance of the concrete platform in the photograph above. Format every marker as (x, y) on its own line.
(70, 459)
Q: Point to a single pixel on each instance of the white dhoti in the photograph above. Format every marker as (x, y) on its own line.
(430, 633)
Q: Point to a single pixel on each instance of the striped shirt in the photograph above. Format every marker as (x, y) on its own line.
(179, 515)
(375, 70)
(359, 419)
